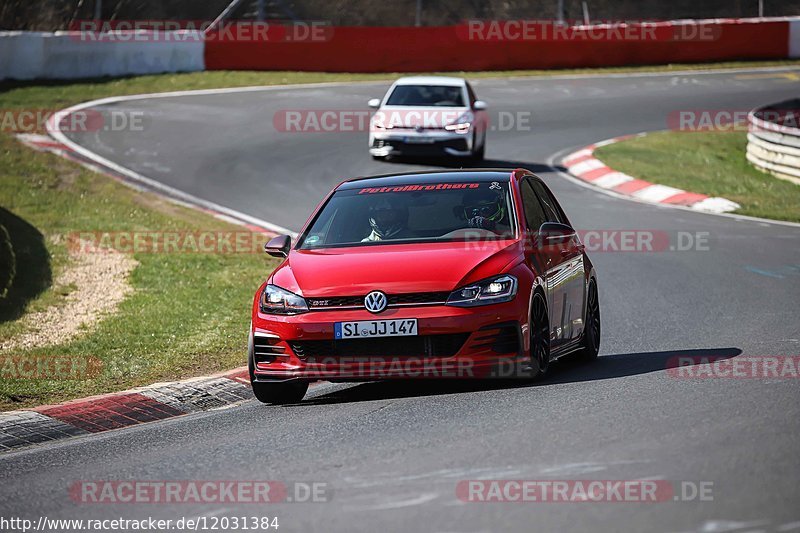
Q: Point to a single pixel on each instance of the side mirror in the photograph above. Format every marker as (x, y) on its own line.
(551, 233)
(278, 246)
(479, 105)
(375, 103)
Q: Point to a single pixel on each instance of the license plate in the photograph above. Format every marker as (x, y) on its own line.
(419, 140)
(375, 328)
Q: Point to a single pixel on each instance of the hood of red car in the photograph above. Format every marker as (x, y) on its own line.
(394, 269)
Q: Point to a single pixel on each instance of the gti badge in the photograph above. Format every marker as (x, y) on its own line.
(375, 302)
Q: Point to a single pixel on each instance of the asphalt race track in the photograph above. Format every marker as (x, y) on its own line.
(394, 452)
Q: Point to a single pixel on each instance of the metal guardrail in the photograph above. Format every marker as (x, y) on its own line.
(772, 145)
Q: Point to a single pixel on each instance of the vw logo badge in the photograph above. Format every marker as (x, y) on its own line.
(375, 302)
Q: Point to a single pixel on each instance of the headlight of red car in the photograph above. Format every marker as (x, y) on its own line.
(278, 301)
(494, 290)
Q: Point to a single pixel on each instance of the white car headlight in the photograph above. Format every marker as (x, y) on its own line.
(462, 124)
(379, 122)
(278, 301)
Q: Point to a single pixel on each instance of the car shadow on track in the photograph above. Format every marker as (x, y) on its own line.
(566, 371)
(455, 163)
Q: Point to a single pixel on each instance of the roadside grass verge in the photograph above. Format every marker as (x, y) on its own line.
(188, 313)
(708, 163)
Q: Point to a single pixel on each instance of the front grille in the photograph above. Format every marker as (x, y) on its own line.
(394, 300)
(503, 338)
(424, 298)
(266, 349)
(412, 346)
(455, 144)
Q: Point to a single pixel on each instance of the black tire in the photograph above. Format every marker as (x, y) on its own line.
(539, 331)
(480, 153)
(274, 393)
(591, 333)
(379, 158)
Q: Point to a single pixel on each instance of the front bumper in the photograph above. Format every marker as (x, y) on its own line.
(426, 142)
(452, 342)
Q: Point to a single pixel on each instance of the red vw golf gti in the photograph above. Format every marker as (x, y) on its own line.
(465, 274)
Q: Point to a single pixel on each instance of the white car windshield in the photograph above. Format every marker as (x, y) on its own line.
(427, 95)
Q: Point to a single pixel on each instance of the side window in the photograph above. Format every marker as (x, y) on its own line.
(534, 212)
(551, 209)
(471, 94)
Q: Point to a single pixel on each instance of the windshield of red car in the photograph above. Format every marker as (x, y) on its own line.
(421, 212)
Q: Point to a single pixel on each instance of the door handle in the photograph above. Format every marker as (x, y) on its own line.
(566, 252)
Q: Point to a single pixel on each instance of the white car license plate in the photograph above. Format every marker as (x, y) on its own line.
(375, 328)
(419, 140)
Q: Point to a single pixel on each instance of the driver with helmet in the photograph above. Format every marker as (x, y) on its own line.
(388, 219)
(483, 208)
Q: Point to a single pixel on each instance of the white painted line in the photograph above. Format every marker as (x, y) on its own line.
(656, 193)
(172, 193)
(397, 504)
(586, 166)
(606, 142)
(611, 180)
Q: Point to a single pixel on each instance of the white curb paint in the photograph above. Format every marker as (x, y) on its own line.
(582, 162)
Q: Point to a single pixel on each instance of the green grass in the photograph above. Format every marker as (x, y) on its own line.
(708, 163)
(189, 312)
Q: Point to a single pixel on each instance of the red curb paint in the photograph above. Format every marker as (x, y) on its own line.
(596, 173)
(45, 144)
(684, 198)
(240, 375)
(630, 187)
(580, 159)
(112, 412)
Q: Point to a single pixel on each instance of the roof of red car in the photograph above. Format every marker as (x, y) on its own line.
(443, 176)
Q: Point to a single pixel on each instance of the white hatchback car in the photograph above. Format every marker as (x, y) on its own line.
(428, 116)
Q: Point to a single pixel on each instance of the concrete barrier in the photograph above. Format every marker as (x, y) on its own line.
(72, 55)
(773, 146)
